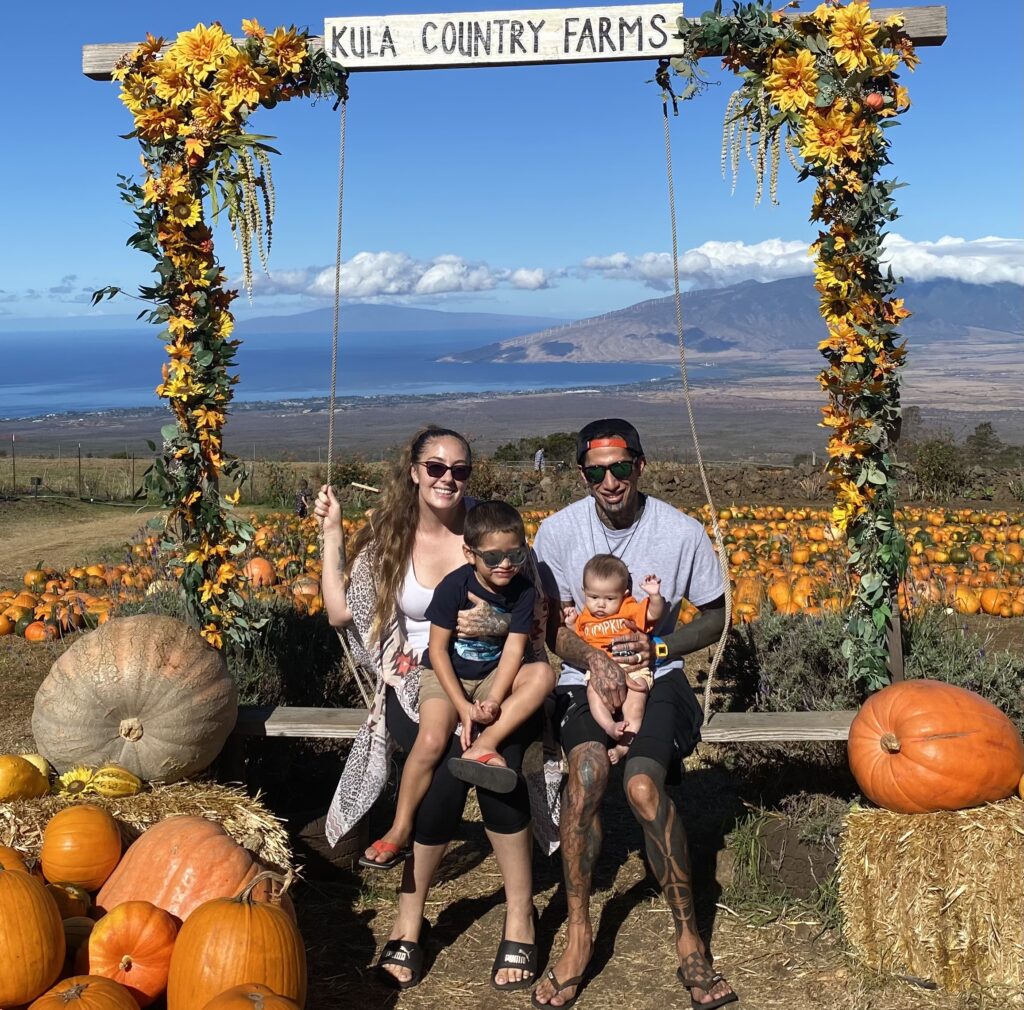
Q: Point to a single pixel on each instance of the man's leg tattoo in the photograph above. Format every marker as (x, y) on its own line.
(665, 839)
(581, 826)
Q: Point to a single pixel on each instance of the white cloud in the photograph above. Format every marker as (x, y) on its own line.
(395, 274)
(718, 264)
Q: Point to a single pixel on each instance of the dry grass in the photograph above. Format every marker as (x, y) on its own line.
(243, 817)
(939, 896)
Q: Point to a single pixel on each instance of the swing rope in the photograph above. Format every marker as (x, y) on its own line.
(663, 80)
(365, 688)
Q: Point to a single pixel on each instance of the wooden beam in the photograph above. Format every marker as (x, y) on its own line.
(776, 727)
(925, 26)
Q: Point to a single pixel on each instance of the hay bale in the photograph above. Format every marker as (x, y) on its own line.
(938, 896)
(243, 817)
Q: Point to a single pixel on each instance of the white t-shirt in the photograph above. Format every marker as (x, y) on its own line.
(663, 541)
(412, 610)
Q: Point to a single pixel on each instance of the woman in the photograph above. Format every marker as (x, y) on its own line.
(412, 540)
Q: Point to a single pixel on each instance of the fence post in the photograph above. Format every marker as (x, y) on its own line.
(14, 467)
(252, 476)
(80, 470)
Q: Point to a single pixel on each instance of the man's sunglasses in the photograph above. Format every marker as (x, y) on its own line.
(493, 559)
(460, 472)
(620, 470)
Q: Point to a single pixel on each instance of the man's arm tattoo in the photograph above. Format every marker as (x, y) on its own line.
(704, 630)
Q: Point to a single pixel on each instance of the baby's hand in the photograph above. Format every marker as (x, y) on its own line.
(651, 585)
(570, 615)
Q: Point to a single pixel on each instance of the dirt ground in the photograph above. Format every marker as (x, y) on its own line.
(61, 533)
(773, 960)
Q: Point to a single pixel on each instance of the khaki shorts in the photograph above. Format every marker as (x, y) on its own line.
(430, 687)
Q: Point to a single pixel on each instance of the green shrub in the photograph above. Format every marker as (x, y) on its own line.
(788, 664)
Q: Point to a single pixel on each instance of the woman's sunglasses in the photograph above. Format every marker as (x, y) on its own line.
(620, 470)
(460, 472)
(494, 559)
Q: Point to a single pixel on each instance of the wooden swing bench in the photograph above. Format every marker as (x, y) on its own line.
(722, 727)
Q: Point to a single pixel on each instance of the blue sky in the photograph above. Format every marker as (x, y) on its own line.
(535, 190)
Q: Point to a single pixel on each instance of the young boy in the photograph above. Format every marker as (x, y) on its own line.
(608, 606)
(474, 681)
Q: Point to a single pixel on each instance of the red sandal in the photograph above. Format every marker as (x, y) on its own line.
(398, 855)
(477, 772)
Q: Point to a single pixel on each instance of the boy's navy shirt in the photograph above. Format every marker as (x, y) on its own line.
(475, 658)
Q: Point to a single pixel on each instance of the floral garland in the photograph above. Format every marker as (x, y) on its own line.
(829, 79)
(190, 105)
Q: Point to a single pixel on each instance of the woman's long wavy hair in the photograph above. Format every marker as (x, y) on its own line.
(392, 526)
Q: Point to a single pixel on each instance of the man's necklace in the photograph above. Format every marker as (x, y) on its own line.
(620, 549)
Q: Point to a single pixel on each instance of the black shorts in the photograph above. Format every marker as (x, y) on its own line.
(670, 730)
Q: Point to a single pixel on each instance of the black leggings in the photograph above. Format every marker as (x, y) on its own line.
(440, 813)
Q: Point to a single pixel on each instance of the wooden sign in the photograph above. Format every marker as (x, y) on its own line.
(503, 38)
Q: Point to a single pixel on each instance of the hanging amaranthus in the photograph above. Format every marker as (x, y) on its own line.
(828, 80)
(190, 102)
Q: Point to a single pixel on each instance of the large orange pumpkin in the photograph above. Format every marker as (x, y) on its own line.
(922, 745)
(197, 860)
(132, 945)
(31, 938)
(260, 572)
(81, 845)
(144, 692)
(11, 859)
(231, 941)
(251, 996)
(86, 992)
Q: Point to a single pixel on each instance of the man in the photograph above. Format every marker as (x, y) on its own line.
(538, 460)
(649, 536)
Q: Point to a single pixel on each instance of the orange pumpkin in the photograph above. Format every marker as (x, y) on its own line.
(76, 935)
(31, 938)
(81, 845)
(251, 996)
(71, 899)
(230, 941)
(11, 859)
(86, 992)
(260, 572)
(198, 861)
(132, 945)
(921, 745)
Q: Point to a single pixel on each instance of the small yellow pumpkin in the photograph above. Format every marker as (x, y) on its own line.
(20, 779)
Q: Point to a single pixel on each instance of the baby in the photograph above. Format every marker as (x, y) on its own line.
(608, 608)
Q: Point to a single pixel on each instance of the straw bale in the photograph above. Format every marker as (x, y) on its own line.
(938, 896)
(242, 816)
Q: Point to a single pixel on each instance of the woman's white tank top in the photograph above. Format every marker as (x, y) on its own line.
(413, 605)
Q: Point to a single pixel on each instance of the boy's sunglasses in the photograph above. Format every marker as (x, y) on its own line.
(494, 559)
(460, 472)
(620, 469)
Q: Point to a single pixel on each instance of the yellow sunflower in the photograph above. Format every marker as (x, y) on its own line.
(851, 37)
(253, 29)
(202, 50)
(239, 82)
(157, 123)
(833, 137)
(793, 81)
(285, 48)
(184, 210)
(173, 83)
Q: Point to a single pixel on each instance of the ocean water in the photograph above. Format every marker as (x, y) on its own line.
(42, 373)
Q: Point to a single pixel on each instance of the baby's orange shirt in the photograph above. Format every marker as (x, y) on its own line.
(602, 631)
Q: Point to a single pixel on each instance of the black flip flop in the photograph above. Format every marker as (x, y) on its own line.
(707, 984)
(405, 954)
(515, 954)
(495, 778)
(576, 980)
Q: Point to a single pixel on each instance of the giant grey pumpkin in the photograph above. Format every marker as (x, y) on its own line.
(145, 692)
